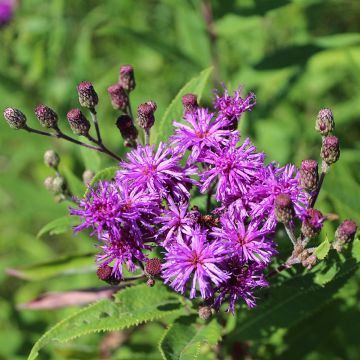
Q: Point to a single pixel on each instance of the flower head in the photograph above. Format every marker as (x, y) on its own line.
(196, 262)
(235, 168)
(243, 279)
(118, 249)
(158, 171)
(200, 132)
(248, 242)
(231, 107)
(272, 182)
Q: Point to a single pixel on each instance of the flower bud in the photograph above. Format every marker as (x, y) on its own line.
(205, 312)
(87, 176)
(55, 184)
(312, 224)
(104, 273)
(127, 78)
(88, 97)
(150, 282)
(309, 175)
(51, 159)
(146, 116)
(119, 97)
(79, 124)
(189, 102)
(127, 129)
(325, 122)
(15, 118)
(194, 216)
(330, 150)
(47, 117)
(153, 267)
(284, 209)
(344, 234)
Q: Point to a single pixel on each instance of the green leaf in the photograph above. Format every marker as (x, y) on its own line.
(164, 127)
(105, 174)
(323, 249)
(131, 306)
(183, 339)
(294, 300)
(356, 250)
(58, 226)
(65, 265)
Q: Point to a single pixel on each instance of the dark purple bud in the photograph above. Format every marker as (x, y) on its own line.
(15, 118)
(150, 282)
(51, 159)
(284, 209)
(153, 267)
(127, 78)
(88, 97)
(330, 150)
(47, 117)
(79, 124)
(146, 116)
(344, 234)
(127, 129)
(152, 104)
(104, 273)
(194, 215)
(119, 97)
(312, 224)
(189, 102)
(205, 312)
(87, 176)
(325, 122)
(309, 175)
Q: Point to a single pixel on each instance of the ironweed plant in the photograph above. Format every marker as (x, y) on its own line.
(195, 216)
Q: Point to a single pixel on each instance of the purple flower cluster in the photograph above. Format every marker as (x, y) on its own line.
(219, 253)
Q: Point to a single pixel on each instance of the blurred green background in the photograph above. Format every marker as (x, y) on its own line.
(297, 55)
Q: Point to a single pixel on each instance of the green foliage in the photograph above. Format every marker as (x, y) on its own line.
(164, 128)
(296, 55)
(58, 226)
(64, 265)
(184, 338)
(131, 306)
(323, 249)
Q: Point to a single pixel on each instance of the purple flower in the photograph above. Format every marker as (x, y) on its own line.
(200, 133)
(199, 260)
(6, 11)
(111, 205)
(243, 280)
(247, 242)
(272, 182)
(230, 107)
(118, 249)
(174, 222)
(235, 168)
(157, 171)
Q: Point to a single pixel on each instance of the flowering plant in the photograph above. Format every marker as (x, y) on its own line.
(197, 216)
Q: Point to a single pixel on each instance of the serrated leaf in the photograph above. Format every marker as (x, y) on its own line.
(58, 226)
(183, 339)
(65, 265)
(131, 306)
(105, 174)
(323, 249)
(164, 127)
(292, 301)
